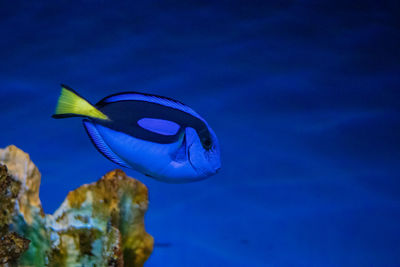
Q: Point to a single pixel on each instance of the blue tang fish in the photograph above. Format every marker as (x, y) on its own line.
(157, 136)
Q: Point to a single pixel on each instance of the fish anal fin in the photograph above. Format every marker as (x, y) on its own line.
(101, 145)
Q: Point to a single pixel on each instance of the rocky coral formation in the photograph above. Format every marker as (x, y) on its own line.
(113, 207)
(99, 224)
(11, 244)
(29, 219)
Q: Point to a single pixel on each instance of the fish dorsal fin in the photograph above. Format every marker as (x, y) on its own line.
(101, 145)
(165, 101)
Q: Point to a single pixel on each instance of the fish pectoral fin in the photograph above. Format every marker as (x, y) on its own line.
(71, 104)
(101, 145)
(180, 154)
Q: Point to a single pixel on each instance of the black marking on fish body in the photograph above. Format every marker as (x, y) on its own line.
(124, 116)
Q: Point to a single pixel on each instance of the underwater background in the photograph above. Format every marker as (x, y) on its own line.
(303, 95)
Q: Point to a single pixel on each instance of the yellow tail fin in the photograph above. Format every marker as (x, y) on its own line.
(70, 104)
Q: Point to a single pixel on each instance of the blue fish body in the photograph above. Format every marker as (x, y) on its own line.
(157, 136)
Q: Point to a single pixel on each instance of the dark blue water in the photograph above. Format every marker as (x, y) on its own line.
(304, 96)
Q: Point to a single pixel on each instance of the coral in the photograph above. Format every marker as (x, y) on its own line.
(99, 224)
(9, 189)
(11, 247)
(29, 219)
(113, 207)
(11, 244)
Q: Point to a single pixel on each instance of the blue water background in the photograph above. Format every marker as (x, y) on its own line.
(304, 96)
